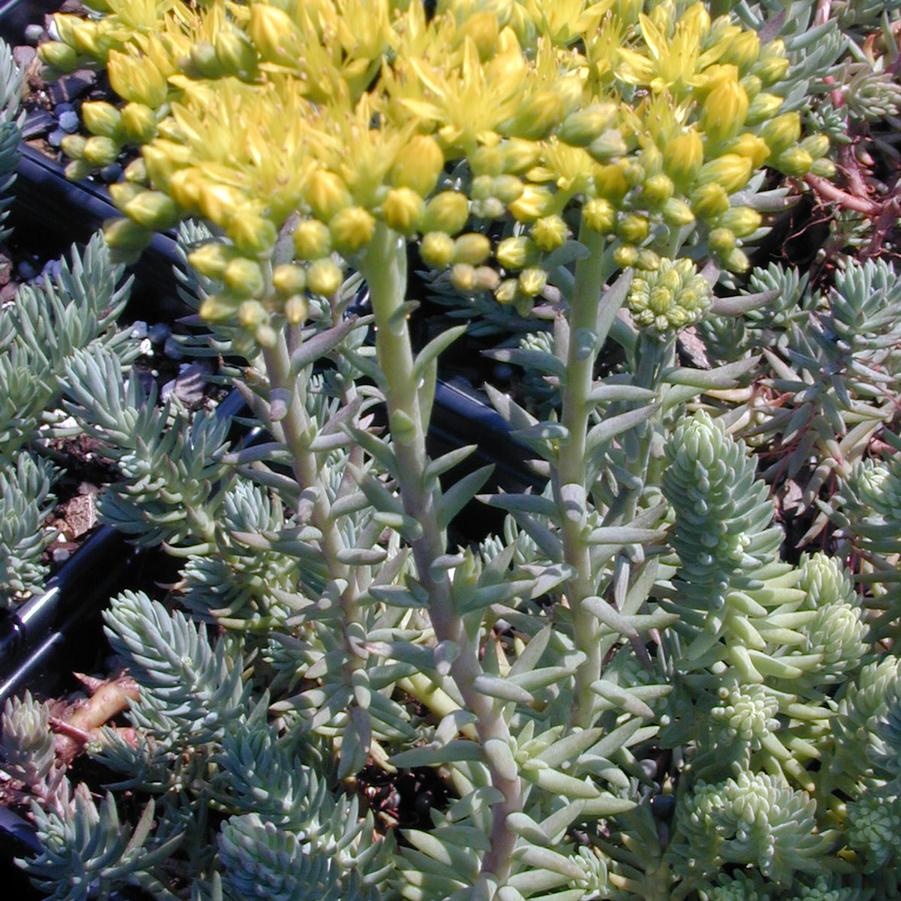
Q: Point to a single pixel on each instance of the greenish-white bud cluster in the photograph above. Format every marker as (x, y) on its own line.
(669, 298)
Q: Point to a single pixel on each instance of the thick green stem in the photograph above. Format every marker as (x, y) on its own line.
(385, 268)
(572, 466)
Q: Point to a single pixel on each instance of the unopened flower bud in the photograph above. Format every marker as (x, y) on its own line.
(351, 229)
(289, 279)
(736, 260)
(532, 281)
(138, 123)
(482, 29)
(607, 146)
(244, 277)
(625, 255)
(162, 159)
(219, 307)
(418, 165)
(101, 118)
(273, 33)
(219, 202)
(153, 209)
(73, 146)
(505, 293)
(647, 261)
(446, 212)
(677, 213)
(519, 156)
(536, 116)
(752, 85)
(312, 240)
(253, 234)
(782, 132)
(515, 252)
(708, 201)
(482, 187)
(402, 210)
(211, 260)
(721, 240)
(489, 208)
(730, 170)
(794, 161)
(506, 188)
(669, 299)
(235, 53)
(741, 220)
(137, 80)
(437, 249)
(136, 172)
(58, 55)
(583, 126)
(487, 160)
(771, 68)
(742, 50)
(251, 314)
(534, 202)
(599, 215)
(816, 145)
(100, 151)
(327, 194)
(611, 183)
(125, 234)
(487, 278)
(633, 229)
(124, 192)
(472, 248)
(724, 111)
(657, 189)
(549, 233)
(683, 156)
(296, 309)
(186, 187)
(203, 62)
(825, 168)
(751, 147)
(763, 107)
(463, 277)
(324, 277)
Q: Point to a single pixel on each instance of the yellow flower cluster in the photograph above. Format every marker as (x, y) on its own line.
(629, 118)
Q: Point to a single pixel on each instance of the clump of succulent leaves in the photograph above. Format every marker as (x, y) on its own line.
(40, 331)
(632, 691)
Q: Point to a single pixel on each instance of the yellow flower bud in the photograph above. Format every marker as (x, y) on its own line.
(816, 145)
(296, 309)
(487, 160)
(253, 234)
(730, 170)
(599, 215)
(437, 249)
(771, 68)
(482, 29)
(724, 111)
(536, 116)
(486, 278)
(683, 156)
(742, 50)
(463, 277)
(273, 34)
(763, 107)
(657, 189)
(138, 123)
(100, 151)
(446, 212)
(136, 171)
(124, 234)
(782, 132)
(219, 307)
(708, 201)
(505, 293)
(186, 186)
(312, 240)
(519, 156)
(137, 80)
(532, 281)
(326, 194)
(219, 203)
(741, 221)
(633, 229)
(351, 229)
(721, 240)
(73, 146)
(244, 277)
(583, 126)
(289, 279)
(324, 277)
(794, 161)
(235, 53)
(607, 146)
(418, 165)
(402, 210)
(211, 260)
(58, 55)
(265, 335)
(751, 147)
(252, 314)
(101, 118)
(824, 168)
(472, 248)
(123, 192)
(78, 169)
(647, 261)
(162, 159)
(625, 255)
(533, 203)
(515, 252)
(677, 213)
(752, 85)
(506, 188)
(203, 62)
(549, 233)
(153, 209)
(736, 260)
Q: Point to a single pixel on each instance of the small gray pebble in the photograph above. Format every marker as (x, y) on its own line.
(61, 554)
(26, 271)
(138, 329)
(64, 107)
(24, 56)
(158, 332)
(111, 173)
(56, 137)
(172, 349)
(34, 33)
(68, 121)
